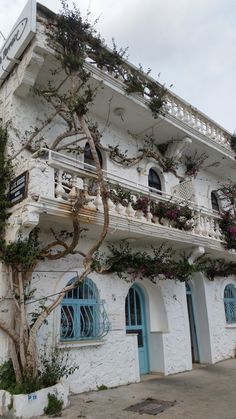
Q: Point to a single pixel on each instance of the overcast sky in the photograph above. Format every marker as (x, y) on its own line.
(191, 43)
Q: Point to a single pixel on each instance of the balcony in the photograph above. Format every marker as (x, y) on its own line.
(177, 111)
(55, 180)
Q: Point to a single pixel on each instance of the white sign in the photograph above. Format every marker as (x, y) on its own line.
(20, 36)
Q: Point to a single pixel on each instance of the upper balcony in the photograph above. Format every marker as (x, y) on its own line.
(180, 115)
(130, 112)
(57, 180)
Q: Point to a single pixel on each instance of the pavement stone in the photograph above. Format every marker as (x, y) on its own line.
(206, 392)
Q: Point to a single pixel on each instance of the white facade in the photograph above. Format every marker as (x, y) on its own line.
(114, 359)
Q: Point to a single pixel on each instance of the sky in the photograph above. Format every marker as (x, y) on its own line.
(188, 43)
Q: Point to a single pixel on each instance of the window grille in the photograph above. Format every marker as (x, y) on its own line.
(83, 316)
(230, 303)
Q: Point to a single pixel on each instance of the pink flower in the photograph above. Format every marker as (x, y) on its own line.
(172, 214)
(232, 230)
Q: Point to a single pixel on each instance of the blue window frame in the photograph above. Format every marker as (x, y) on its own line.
(230, 303)
(82, 314)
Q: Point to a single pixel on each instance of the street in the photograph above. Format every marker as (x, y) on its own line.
(205, 392)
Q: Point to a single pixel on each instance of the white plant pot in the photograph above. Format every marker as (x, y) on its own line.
(30, 405)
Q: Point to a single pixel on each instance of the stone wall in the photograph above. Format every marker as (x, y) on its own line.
(223, 334)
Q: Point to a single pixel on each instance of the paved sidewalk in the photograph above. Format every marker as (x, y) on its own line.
(207, 392)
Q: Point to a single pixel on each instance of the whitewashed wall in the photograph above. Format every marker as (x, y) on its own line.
(223, 335)
(177, 347)
(114, 360)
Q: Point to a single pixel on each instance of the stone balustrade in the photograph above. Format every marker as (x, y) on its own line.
(195, 119)
(72, 183)
(175, 107)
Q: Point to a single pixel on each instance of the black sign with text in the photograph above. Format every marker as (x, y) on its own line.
(18, 188)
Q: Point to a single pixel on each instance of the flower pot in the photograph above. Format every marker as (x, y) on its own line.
(30, 405)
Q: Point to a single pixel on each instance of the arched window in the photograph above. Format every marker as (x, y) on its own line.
(230, 303)
(154, 181)
(88, 157)
(82, 315)
(214, 202)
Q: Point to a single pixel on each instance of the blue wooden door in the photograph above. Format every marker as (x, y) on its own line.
(136, 323)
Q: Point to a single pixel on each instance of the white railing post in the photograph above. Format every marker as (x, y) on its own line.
(59, 190)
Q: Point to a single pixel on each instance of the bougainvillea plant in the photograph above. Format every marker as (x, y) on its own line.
(119, 195)
(227, 225)
(181, 216)
(142, 204)
(194, 163)
(160, 264)
(215, 267)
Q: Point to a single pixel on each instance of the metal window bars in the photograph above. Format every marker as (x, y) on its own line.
(83, 316)
(230, 303)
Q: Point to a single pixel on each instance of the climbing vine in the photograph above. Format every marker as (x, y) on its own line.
(227, 222)
(194, 163)
(130, 264)
(149, 150)
(5, 175)
(227, 225)
(215, 267)
(159, 264)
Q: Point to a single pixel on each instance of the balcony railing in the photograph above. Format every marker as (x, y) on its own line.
(72, 176)
(175, 106)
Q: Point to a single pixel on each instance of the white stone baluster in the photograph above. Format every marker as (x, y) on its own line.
(139, 215)
(59, 190)
(98, 200)
(73, 192)
(211, 227)
(180, 112)
(120, 209)
(209, 129)
(218, 235)
(89, 199)
(174, 109)
(204, 221)
(130, 211)
(149, 215)
(111, 205)
(205, 226)
(192, 120)
(198, 225)
(201, 126)
(186, 117)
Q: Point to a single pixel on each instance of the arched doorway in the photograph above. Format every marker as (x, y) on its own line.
(192, 325)
(136, 323)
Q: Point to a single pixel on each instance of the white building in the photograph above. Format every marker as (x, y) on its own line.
(146, 327)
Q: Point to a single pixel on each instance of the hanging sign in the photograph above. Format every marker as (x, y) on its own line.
(20, 36)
